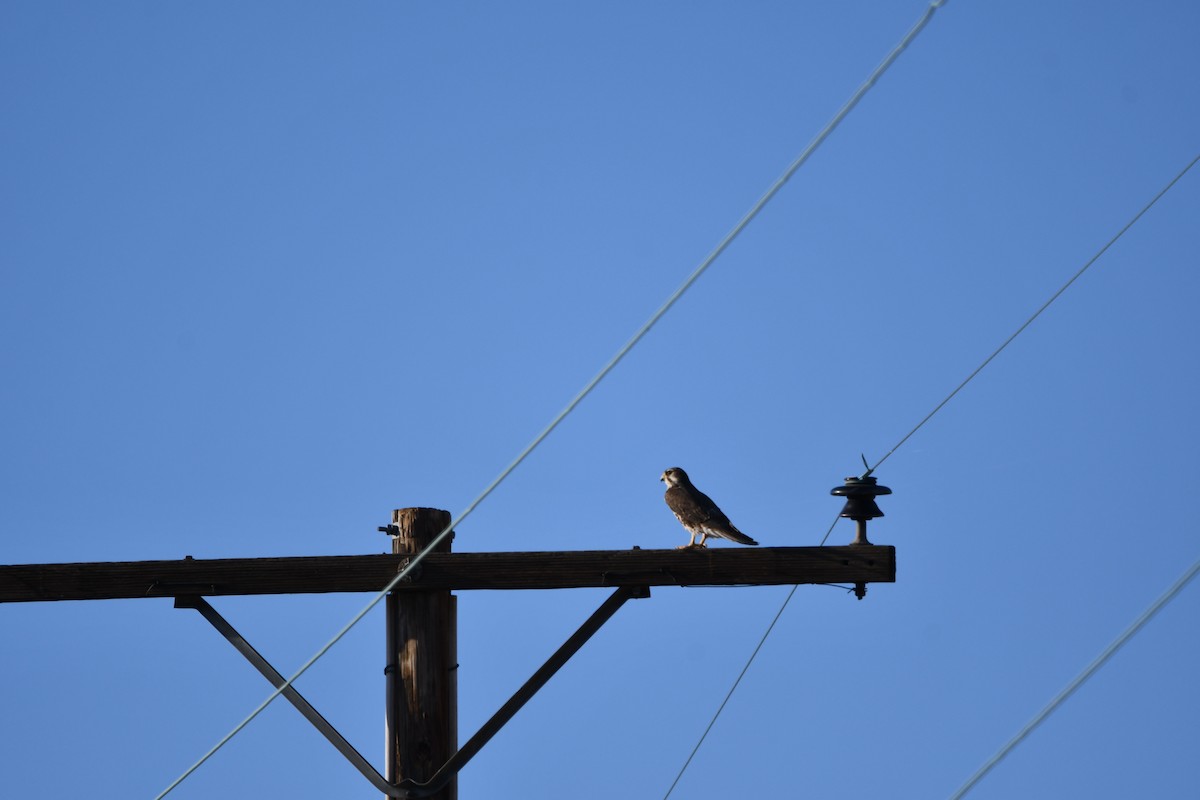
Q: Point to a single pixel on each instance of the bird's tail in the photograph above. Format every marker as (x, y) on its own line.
(740, 537)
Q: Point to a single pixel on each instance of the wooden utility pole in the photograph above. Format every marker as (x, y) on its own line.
(421, 668)
(423, 754)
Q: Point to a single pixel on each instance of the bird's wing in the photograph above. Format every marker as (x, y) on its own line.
(694, 508)
(712, 514)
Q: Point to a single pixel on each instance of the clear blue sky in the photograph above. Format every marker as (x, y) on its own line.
(270, 270)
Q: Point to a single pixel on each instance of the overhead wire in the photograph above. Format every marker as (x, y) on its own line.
(921, 424)
(1080, 679)
(722, 245)
(729, 694)
(1028, 322)
(1043, 307)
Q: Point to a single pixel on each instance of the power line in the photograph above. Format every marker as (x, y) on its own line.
(1080, 679)
(1029, 321)
(908, 435)
(587, 389)
(1045, 305)
(729, 694)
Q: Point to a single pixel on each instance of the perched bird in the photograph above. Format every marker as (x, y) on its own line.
(697, 513)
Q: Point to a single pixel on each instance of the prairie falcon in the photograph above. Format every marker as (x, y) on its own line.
(697, 513)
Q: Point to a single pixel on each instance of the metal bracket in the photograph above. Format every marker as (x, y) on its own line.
(293, 696)
(409, 789)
